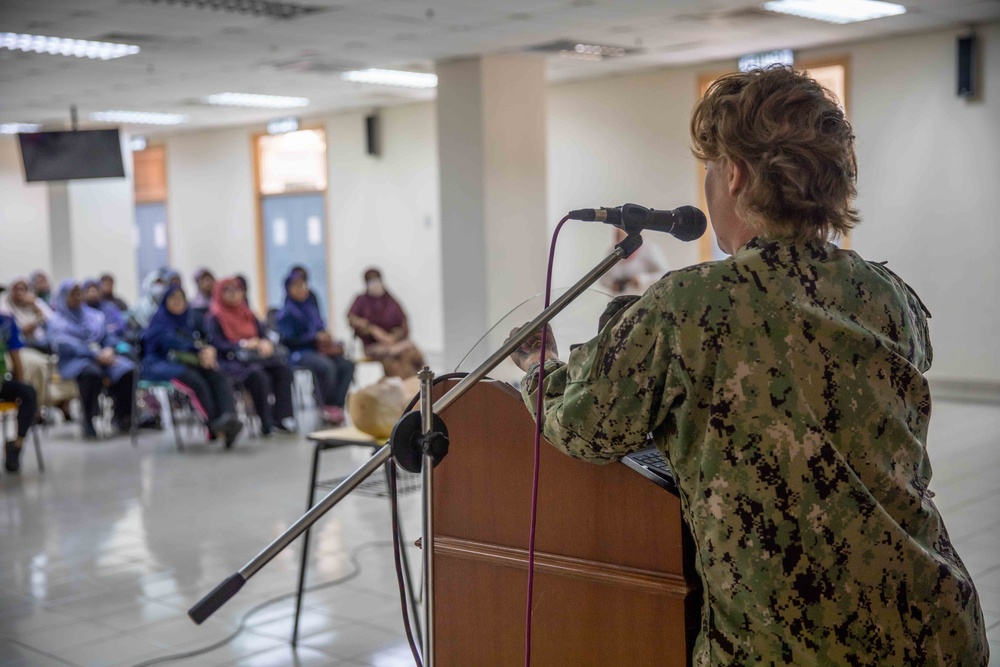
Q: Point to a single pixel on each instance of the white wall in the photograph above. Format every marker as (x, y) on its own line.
(614, 141)
(930, 188)
(384, 212)
(211, 205)
(102, 219)
(24, 217)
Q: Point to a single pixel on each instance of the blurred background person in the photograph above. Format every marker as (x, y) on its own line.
(114, 320)
(248, 357)
(204, 281)
(171, 353)
(14, 390)
(634, 274)
(379, 321)
(304, 333)
(87, 354)
(107, 285)
(150, 295)
(41, 286)
(32, 315)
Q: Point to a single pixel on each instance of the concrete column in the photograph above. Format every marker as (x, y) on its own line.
(492, 159)
(60, 233)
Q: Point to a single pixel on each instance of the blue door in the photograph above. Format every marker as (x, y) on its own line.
(152, 251)
(295, 235)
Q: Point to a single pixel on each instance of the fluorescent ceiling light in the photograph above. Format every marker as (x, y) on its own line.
(63, 46)
(17, 128)
(392, 77)
(836, 11)
(256, 101)
(140, 117)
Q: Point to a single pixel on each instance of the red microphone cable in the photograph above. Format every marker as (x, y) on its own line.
(539, 404)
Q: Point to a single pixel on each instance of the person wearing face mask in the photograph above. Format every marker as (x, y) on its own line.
(87, 354)
(379, 321)
(303, 331)
(151, 293)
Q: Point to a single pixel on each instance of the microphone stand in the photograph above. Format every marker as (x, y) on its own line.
(419, 435)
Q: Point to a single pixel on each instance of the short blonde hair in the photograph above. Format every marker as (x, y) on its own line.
(795, 145)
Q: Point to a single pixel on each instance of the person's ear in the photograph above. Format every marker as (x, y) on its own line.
(735, 176)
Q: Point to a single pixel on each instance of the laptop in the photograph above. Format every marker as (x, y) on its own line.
(650, 464)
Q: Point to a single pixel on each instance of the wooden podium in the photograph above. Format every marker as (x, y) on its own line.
(611, 585)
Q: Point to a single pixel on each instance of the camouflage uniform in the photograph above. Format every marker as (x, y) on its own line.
(785, 386)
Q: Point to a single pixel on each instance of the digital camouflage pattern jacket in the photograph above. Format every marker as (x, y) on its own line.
(785, 387)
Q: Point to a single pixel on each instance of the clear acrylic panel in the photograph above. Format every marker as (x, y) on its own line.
(577, 323)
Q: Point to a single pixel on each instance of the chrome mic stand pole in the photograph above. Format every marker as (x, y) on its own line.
(426, 377)
(231, 586)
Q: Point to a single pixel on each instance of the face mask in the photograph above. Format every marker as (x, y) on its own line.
(375, 287)
(157, 291)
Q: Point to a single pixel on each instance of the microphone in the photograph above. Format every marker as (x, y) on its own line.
(686, 223)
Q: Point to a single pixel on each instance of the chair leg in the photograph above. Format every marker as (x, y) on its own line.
(300, 590)
(38, 449)
(173, 422)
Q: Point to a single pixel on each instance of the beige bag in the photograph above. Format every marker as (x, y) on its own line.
(375, 409)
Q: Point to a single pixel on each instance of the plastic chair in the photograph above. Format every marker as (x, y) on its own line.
(7, 409)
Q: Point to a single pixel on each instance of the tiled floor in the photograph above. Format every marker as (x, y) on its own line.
(101, 556)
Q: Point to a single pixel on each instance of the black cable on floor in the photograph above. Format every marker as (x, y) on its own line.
(267, 603)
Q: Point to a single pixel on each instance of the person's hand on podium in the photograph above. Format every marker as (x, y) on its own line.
(530, 351)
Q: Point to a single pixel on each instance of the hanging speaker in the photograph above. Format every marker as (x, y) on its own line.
(967, 66)
(373, 133)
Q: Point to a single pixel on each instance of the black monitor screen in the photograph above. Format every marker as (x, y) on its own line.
(62, 156)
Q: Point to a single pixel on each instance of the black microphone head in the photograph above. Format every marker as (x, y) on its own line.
(691, 223)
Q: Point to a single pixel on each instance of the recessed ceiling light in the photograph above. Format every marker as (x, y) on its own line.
(392, 77)
(836, 11)
(140, 117)
(256, 101)
(63, 46)
(17, 128)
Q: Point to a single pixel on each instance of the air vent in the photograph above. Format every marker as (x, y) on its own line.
(285, 11)
(582, 49)
(742, 16)
(313, 65)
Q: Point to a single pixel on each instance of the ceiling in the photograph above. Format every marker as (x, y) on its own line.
(189, 51)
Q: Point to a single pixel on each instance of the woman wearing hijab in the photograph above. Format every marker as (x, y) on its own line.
(380, 323)
(87, 354)
(41, 286)
(171, 353)
(150, 296)
(114, 320)
(303, 332)
(248, 357)
(32, 315)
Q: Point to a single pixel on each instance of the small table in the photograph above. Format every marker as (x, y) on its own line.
(334, 438)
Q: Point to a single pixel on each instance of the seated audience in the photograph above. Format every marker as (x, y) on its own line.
(248, 357)
(87, 354)
(31, 316)
(14, 390)
(41, 287)
(635, 273)
(114, 320)
(380, 323)
(107, 284)
(303, 331)
(171, 353)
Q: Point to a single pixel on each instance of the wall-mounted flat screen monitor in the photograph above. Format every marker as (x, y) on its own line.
(64, 156)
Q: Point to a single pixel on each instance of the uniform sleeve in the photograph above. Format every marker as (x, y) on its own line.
(613, 390)
(14, 342)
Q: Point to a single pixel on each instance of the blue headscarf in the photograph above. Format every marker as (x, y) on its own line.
(83, 322)
(165, 322)
(306, 312)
